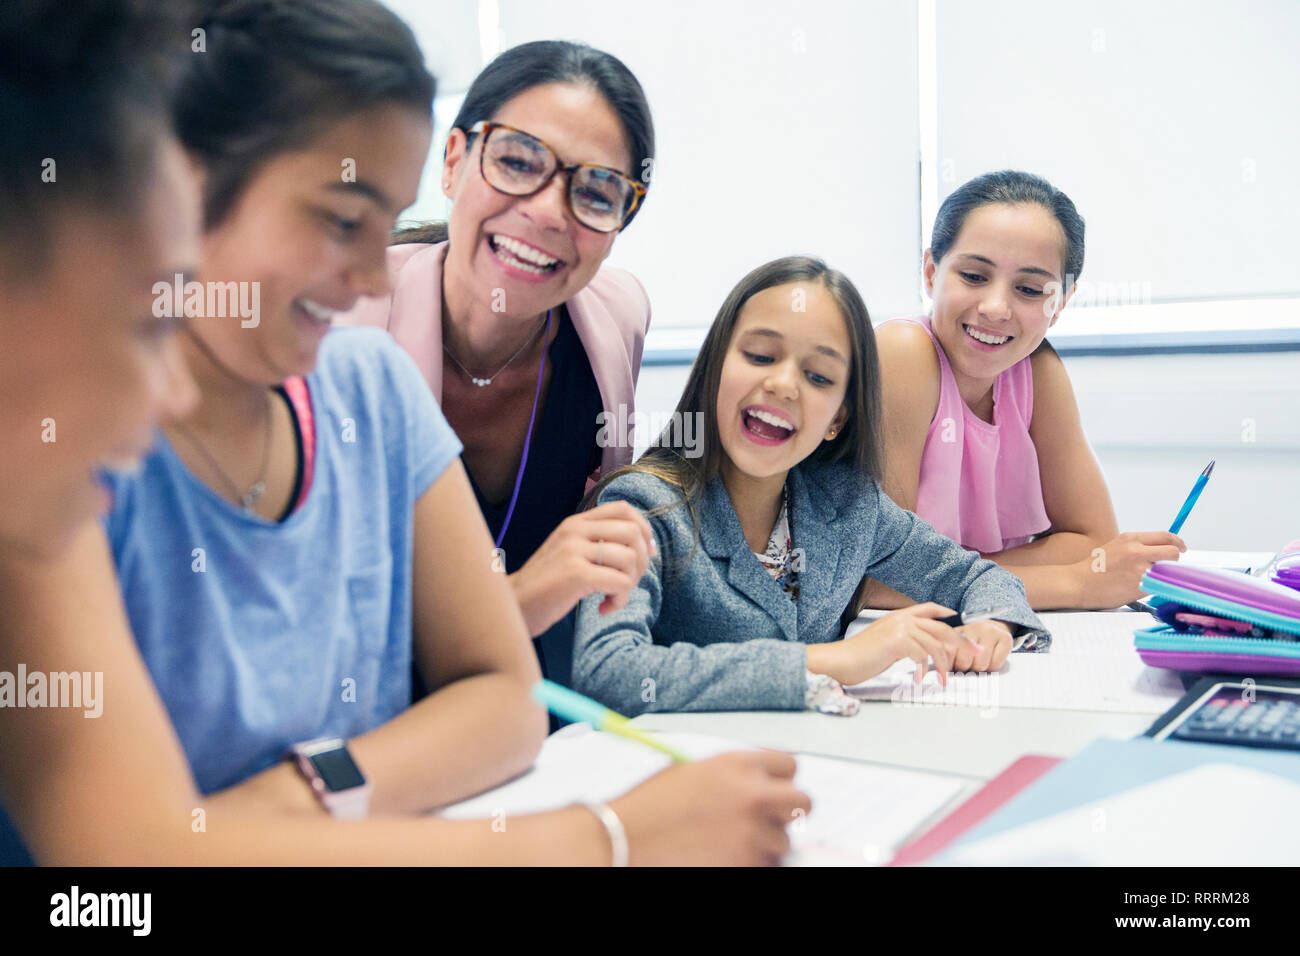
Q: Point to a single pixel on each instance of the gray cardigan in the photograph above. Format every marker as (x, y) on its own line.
(716, 632)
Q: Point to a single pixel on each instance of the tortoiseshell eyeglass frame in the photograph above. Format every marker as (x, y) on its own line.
(486, 128)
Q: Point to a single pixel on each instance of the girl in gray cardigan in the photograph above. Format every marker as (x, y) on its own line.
(767, 528)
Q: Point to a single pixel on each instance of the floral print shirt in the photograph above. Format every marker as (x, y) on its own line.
(782, 561)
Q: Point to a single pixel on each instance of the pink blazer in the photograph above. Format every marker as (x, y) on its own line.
(611, 316)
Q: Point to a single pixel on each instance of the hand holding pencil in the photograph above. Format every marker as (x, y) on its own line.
(1112, 575)
(1180, 519)
(729, 810)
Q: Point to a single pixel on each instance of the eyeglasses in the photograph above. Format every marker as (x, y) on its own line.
(519, 164)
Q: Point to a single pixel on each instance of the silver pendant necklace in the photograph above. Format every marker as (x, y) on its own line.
(485, 382)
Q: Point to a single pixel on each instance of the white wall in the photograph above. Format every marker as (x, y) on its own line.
(448, 33)
(783, 127)
(1156, 420)
(795, 126)
(1172, 124)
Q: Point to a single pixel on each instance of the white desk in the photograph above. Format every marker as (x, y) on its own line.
(956, 740)
(965, 741)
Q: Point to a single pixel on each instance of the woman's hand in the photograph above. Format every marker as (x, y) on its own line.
(606, 549)
(731, 810)
(1112, 575)
(911, 632)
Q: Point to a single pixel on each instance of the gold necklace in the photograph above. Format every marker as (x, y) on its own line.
(250, 497)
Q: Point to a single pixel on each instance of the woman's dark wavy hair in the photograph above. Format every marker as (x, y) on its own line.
(523, 67)
(276, 73)
(858, 443)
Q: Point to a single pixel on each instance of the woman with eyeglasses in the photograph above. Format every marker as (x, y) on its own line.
(524, 339)
(266, 554)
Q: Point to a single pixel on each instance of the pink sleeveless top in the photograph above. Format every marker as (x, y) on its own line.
(979, 482)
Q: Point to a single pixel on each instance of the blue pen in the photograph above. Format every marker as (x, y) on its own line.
(1191, 498)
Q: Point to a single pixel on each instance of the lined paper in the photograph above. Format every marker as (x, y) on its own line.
(1092, 666)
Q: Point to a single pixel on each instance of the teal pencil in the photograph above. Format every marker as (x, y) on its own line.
(575, 707)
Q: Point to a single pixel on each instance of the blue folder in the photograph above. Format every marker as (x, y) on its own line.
(1108, 767)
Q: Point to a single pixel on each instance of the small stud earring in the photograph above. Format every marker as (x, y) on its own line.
(832, 434)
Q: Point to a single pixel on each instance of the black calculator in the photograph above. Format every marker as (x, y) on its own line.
(1244, 713)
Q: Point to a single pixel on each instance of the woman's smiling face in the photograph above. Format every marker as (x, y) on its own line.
(784, 378)
(997, 290)
(581, 127)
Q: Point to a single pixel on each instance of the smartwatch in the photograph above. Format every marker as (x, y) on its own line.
(335, 778)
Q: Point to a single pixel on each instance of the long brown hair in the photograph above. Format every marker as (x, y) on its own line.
(274, 73)
(858, 443)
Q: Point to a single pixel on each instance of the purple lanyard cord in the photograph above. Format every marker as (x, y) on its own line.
(528, 439)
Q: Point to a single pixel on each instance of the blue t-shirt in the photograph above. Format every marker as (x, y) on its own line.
(261, 635)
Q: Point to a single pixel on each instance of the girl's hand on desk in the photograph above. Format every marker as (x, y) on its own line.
(995, 639)
(911, 632)
(1113, 577)
(731, 810)
(606, 549)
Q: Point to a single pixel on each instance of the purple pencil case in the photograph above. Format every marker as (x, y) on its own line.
(1219, 621)
(1286, 569)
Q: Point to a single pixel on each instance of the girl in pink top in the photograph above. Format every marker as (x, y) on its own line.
(983, 436)
(992, 466)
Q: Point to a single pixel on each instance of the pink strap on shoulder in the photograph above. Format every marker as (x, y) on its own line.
(300, 399)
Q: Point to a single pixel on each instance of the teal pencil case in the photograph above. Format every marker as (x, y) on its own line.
(1215, 621)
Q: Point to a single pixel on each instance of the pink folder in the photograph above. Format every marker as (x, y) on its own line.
(980, 805)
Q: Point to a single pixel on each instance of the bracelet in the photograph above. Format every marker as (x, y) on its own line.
(614, 827)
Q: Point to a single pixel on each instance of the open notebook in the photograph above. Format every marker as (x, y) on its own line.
(861, 812)
(1091, 666)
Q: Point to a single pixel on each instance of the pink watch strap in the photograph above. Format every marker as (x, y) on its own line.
(351, 804)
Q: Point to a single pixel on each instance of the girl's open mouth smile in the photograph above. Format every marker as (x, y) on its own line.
(764, 426)
(986, 341)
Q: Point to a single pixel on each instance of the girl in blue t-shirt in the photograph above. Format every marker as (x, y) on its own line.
(303, 532)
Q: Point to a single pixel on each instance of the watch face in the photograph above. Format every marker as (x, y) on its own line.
(338, 770)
